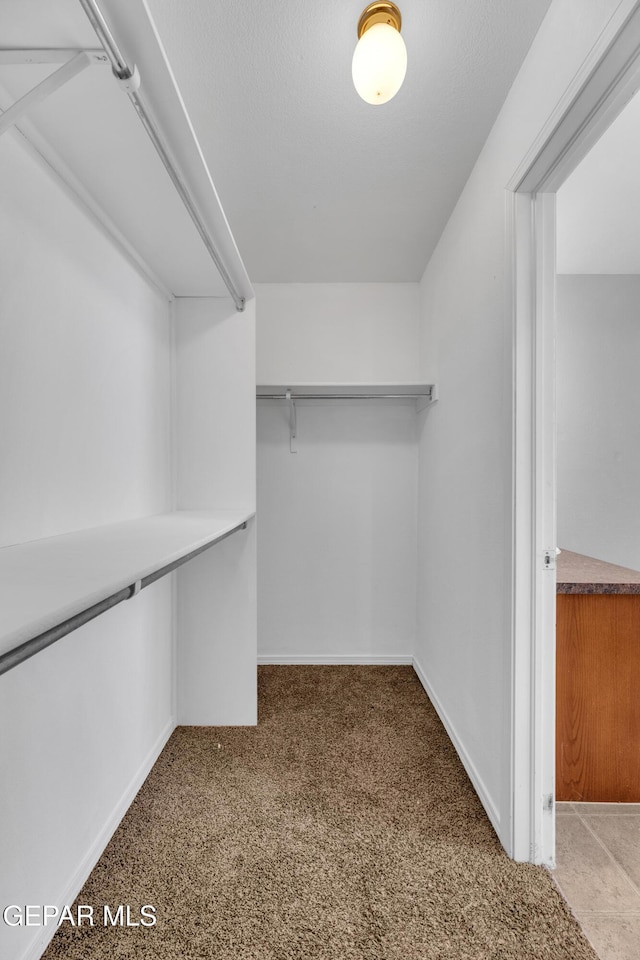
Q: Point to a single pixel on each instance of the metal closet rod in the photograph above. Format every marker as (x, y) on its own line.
(343, 396)
(124, 74)
(12, 658)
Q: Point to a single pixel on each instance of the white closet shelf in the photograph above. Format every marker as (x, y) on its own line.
(422, 393)
(47, 583)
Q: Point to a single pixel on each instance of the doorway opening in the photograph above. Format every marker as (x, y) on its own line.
(607, 81)
(598, 470)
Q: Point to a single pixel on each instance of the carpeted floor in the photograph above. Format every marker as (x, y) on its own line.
(343, 827)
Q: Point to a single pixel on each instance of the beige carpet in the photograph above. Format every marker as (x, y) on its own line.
(343, 826)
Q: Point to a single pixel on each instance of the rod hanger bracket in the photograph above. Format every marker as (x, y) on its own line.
(130, 82)
(293, 423)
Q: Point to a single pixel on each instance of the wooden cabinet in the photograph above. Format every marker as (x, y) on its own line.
(598, 692)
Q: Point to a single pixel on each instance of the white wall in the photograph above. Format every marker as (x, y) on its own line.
(337, 520)
(598, 357)
(337, 332)
(216, 468)
(84, 398)
(337, 545)
(465, 498)
(85, 436)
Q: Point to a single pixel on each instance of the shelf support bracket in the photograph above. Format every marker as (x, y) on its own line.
(44, 89)
(28, 56)
(293, 423)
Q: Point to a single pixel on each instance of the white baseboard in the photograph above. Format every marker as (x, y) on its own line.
(44, 935)
(355, 659)
(479, 786)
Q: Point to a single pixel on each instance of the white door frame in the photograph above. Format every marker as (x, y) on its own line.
(606, 81)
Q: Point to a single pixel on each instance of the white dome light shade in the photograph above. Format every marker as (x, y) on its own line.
(379, 63)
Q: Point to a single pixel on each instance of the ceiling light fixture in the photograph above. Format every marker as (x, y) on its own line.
(380, 58)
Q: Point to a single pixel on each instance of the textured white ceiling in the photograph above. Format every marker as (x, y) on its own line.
(598, 207)
(318, 185)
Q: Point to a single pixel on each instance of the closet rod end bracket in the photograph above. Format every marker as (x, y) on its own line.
(130, 81)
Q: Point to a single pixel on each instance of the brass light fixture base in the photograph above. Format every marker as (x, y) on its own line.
(382, 11)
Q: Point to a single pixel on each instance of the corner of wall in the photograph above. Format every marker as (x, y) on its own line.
(489, 804)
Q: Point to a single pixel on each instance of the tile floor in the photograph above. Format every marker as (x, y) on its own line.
(598, 872)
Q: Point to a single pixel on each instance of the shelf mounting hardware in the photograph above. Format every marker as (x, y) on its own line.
(78, 62)
(28, 56)
(424, 394)
(293, 423)
(44, 153)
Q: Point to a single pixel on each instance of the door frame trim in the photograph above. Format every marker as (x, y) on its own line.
(606, 81)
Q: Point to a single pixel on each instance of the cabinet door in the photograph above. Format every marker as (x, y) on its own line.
(598, 698)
